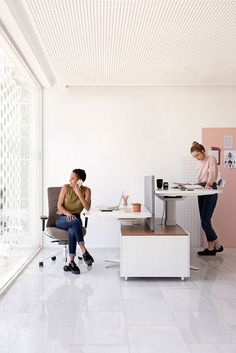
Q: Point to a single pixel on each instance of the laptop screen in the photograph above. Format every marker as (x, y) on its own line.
(120, 200)
(111, 208)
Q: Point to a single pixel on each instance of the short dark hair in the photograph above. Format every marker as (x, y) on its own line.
(80, 173)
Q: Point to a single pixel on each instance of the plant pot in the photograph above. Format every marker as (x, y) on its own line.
(136, 207)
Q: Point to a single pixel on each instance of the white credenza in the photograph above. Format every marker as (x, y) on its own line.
(163, 253)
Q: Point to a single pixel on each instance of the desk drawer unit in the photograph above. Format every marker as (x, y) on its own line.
(163, 253)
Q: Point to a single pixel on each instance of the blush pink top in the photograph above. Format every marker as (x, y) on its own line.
(207, 170)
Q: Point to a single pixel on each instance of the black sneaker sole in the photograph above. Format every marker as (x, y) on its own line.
(89, 263)
(221, 249)
(75, 272)
(207, 253)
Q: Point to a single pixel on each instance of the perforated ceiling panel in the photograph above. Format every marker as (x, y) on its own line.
(138, 42)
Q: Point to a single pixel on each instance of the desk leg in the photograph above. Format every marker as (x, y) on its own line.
(194, 268)
(170, 209)
(112, 263)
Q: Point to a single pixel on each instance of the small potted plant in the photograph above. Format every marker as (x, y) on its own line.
(136, 206)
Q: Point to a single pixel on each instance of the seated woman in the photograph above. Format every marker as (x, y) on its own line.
(73, 198)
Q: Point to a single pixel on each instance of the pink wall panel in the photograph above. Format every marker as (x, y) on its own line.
(224, 219)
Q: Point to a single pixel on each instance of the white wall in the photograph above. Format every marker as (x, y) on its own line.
(120, 134)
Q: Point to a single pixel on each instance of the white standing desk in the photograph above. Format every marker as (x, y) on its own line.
(170, 197)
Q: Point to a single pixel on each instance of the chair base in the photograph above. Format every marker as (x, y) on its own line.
(53, 256)
(64, 251)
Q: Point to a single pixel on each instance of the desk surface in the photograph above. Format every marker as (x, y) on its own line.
(177, 192)
(122, 213)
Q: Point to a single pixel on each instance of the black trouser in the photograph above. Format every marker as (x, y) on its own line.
(206, 206)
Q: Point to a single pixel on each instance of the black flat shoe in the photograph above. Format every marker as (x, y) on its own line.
(220, 249)
(87, 257)
(207, 252)
(73, 268)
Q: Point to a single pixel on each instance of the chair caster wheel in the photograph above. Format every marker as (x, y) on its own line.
(66, 268)
(53, 258)
(40, 263)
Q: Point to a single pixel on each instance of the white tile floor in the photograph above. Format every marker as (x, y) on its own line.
(9, 268)
(97, 312)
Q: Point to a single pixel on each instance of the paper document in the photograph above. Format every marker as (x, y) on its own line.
(189, 186)
(179, 184)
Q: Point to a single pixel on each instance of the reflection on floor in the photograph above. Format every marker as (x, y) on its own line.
(11, 260)
(50, 310)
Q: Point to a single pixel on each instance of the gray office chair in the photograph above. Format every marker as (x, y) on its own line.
(49, 229)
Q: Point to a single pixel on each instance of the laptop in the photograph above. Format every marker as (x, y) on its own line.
(111, 208)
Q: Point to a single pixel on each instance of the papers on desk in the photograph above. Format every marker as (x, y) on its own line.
(189, 186)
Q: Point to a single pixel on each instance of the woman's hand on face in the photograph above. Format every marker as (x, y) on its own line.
(76, 188)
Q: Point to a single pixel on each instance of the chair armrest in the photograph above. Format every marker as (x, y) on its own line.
(43, 218)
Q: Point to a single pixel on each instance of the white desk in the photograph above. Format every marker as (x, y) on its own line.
(143, 253)
(122, 213)
(170, 197)
(162, 253)
(168, 246)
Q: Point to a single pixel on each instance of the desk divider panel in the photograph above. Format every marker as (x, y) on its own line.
(149, 199)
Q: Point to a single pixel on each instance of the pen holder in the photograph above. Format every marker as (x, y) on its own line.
(136, 207)
(125, 200)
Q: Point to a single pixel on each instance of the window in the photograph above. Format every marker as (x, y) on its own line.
(20, 166)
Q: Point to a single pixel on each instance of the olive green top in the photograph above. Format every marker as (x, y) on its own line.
(72, 202)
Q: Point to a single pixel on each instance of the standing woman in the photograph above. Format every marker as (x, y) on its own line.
(73, 198)
(207, 173)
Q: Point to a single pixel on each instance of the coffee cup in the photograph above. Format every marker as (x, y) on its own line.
(159, 183)
(165, 185)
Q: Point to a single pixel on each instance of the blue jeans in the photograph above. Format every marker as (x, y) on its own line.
(206, 206)
(74, 228)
